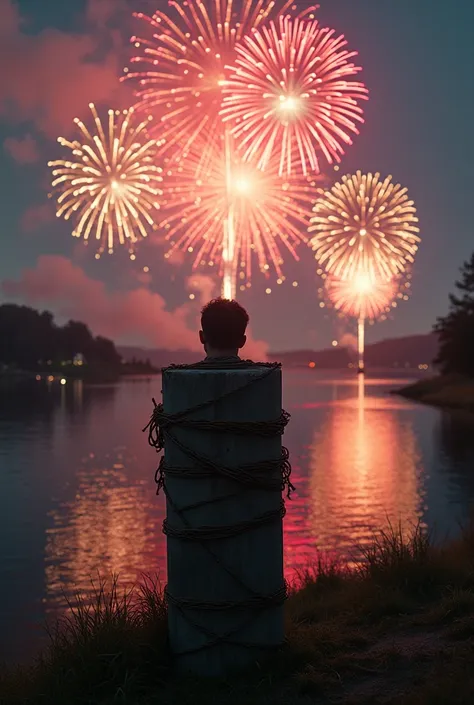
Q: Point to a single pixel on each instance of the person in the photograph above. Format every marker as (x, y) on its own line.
(223, 326)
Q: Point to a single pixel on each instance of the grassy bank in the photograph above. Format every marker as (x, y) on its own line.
(399, 630)
(451, 392)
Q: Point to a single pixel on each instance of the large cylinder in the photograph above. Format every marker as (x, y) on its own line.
(224, 536)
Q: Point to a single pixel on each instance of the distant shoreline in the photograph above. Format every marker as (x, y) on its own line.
(91, 375)
(448, 392)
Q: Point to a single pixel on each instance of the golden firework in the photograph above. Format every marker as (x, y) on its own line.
(110, 185)
(365, 224)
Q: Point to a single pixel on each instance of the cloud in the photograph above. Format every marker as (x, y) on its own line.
(23, 150)
(9, 18)
(99, 12)
(50, 78)
(136, 317)
(35, 217)
(204, 285)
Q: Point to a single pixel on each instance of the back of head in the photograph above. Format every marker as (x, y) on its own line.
(223, 324)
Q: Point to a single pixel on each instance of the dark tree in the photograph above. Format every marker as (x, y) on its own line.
(30, 339)
(456, 329)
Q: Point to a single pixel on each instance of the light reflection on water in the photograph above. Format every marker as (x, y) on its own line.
(373, 461)
(78, 496)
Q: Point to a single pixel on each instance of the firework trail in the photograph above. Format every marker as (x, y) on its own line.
(289, 92)
(109, 185)
(269, 214)
(362, 297)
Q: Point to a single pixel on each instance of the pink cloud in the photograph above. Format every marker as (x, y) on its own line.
(49, 78)
(135, 317)
(9, 18)
(23, 150)
(35, 217)
(139, 315)
(203, 285)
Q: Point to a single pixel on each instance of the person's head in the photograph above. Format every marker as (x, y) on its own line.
(223, 325)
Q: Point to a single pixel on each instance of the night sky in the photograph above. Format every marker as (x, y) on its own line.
(418, 59)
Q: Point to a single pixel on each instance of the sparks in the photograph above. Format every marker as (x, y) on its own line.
(111, 184)
(181, 64)
(362, 297)
(289, 94)
(267, 213)
(364, 224)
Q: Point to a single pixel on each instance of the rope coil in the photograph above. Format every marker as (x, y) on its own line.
(269, 475)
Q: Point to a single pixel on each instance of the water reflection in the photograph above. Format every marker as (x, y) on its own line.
(364, 471)
(77, 494)
(109, 527)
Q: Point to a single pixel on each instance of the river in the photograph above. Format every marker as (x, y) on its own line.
(77, 492)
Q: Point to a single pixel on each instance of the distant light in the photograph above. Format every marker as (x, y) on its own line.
(268, 291)
(38, 378)
(192, 296)
(312, 364)
(146, 269)
(50, 378)
(334, 343)
(295, 283)
(63, 381)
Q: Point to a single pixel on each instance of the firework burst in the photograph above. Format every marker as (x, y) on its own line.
(110, 185)
(268, 214)
(361, 297)
(180, 67)
(290, 93)
(364, 224)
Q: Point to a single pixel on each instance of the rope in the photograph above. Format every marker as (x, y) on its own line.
(270, 475)
(212, 533)
(253, 603)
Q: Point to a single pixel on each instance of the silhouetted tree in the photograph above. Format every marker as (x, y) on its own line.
(29, 338)
(456, 329)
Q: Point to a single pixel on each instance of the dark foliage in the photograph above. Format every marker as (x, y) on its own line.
(456, 329)
(30, 339)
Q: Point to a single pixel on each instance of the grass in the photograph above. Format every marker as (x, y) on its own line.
(451, 392)
(398, 629)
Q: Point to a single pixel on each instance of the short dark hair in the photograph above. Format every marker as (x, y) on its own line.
(223, 323)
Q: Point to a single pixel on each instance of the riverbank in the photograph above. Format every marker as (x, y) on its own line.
(399, 630)
(451, 392)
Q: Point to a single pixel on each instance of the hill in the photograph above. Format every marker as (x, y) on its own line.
(408, 352)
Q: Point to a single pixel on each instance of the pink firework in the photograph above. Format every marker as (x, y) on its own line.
(290, 93)
(269, 214)
(180, 62)
(363, 296)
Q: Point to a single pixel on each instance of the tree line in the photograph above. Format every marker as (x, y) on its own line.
(456, 329)
(30, 339)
